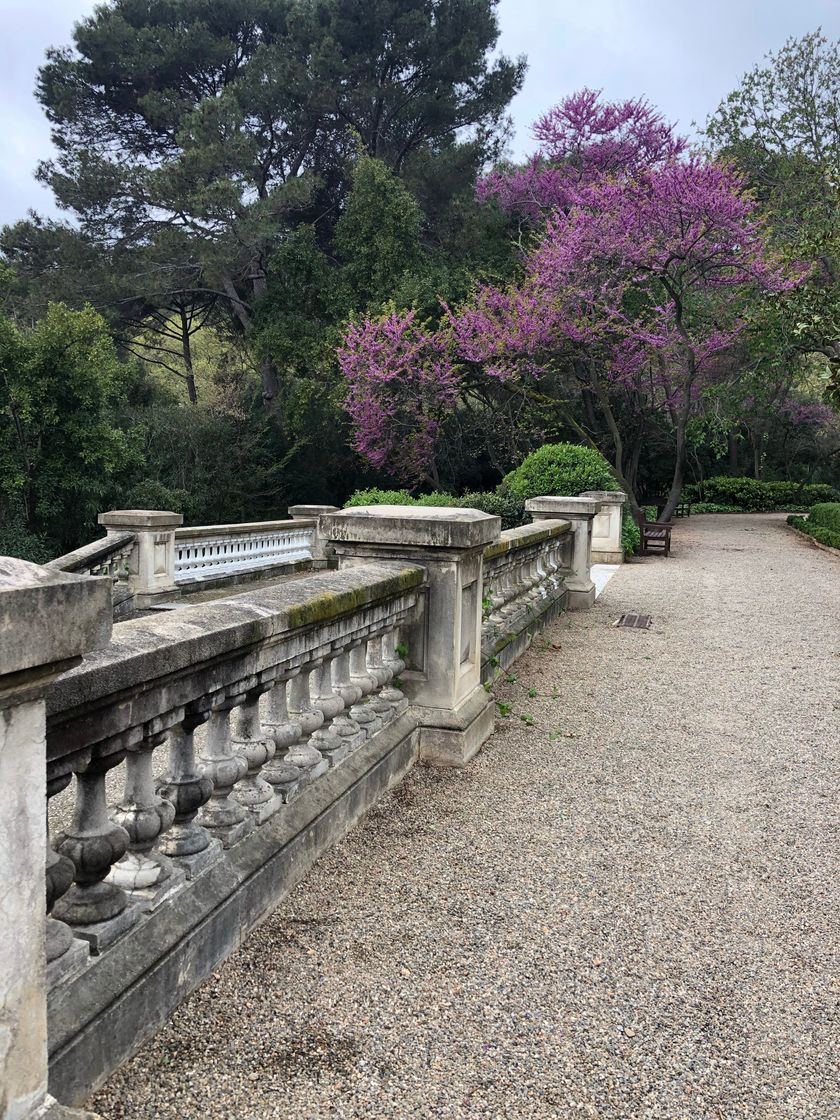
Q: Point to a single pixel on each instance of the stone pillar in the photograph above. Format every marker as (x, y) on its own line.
(580, 512)
(443, 678)
(48, 619)
(151, 566)
(320, 559)
(606, 528)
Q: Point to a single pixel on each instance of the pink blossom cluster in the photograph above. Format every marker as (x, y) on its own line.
(401, 384)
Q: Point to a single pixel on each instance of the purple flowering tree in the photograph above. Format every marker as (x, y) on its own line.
(637, 284)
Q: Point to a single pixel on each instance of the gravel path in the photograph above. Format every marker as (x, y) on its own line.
(626, 910)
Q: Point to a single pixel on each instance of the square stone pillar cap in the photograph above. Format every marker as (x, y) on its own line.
(563, 507)
(48, 616)
(140, 519)
(616, 497)
(311, 511)
(426, 526)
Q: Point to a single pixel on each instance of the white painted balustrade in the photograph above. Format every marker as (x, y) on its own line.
(211, 551)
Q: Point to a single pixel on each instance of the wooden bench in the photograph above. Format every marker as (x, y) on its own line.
(656, 537)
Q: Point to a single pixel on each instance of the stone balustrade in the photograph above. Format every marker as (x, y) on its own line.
(109, 556)
(524, 589)
(199, 762)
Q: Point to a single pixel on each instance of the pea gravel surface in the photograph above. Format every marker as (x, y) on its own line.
(627, 906)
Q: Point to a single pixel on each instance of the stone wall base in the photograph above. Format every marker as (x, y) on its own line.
(452, 738)
(604, 556)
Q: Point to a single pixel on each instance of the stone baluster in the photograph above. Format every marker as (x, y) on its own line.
(149, 876)
(304, 712)
(66, 954)
(283, 775)
(362, 711)
(395, 665)
(222, 816)
(97, 909)
(185, 784)
(329, 701)
(258, 748)
(382, 675)
(513, 578)
(346, 726)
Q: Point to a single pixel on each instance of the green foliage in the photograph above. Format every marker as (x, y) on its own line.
(61, 454)
(825, 514)
(713, 507)
(565, 469)
(823, 523)
(509, 507)
(749, 495)
(378, 235)
(631, 536)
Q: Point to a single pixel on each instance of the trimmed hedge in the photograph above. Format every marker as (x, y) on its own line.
(826, 515)
(821, 533)
(749, 495)
(560, 468)
(509, 507)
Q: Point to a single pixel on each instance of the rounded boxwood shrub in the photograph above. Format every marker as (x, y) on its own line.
(561, 469)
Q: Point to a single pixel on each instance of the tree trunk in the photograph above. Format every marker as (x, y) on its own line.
(186, 349)
(679, 470)
(732, 452)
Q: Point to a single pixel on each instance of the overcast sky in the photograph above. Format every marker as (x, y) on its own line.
(683, 56)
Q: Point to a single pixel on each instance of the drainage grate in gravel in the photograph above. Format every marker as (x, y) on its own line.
(634, 621)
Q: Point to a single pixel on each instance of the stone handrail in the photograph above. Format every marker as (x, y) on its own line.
(524, 588)
(107, 556)
(206, 552)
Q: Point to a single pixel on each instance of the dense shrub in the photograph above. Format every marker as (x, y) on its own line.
(376, 497)
(826, 515)
(631, 536)
(713, 507)
(752, 496)
(17, 540)
(560, 469)
(509, 507)
(823, 533)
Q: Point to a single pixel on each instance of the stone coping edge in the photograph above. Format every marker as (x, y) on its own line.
(511, 540)
(246, 528)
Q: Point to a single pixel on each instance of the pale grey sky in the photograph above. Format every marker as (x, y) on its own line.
(683, 57)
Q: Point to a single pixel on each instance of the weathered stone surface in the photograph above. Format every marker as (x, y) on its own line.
(132, 519)
(47, 616)
(304, 511)
(606, 528)
(197, 650)
(142, 978)
(580, 512)
(404, 526)
(47, 620)
(444, 644)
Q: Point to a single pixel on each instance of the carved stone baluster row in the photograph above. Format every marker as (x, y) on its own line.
(65, 953)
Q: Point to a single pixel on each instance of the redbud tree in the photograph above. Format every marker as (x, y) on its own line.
(637, 277)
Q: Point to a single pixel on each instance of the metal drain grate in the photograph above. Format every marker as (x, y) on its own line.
(634, 621)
